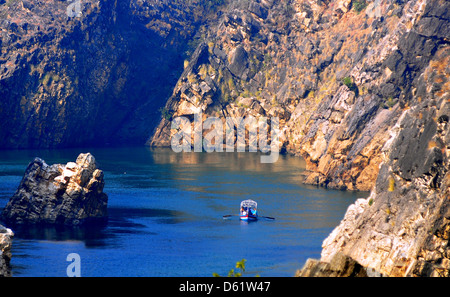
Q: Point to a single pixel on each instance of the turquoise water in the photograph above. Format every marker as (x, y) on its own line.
(165, 214)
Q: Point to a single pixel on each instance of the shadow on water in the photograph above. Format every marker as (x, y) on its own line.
(93, 234)
(163, 206)
(123, 217)
(99, 233)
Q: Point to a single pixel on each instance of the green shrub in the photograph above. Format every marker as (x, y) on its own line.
(359, 5)
(391, 102)
(47, 79)
(348, 82)
(239, 265)
(213, 5)
(388, 103)
(165, 113)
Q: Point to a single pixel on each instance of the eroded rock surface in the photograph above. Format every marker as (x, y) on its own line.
(337, 78)
(403, 227)
(70, 194)
(107, 69)
(6, 236)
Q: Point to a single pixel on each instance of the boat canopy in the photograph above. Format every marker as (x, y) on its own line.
(249, 204)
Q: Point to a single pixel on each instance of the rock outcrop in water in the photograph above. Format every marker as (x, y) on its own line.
(5, 250)
(339, 266)
(70, 194)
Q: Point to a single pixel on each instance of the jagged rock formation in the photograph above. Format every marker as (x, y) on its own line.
(339, 266)
(403, 227)
(70, 194)
(5, 250)
(338, 79)
(363, 97)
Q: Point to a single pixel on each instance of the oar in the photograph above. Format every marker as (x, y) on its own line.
(270, 218)
(230, 215)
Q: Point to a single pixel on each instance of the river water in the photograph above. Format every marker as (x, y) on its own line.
(165, 215)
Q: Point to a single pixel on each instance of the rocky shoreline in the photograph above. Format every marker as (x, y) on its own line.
(403, 227)
(6, 236)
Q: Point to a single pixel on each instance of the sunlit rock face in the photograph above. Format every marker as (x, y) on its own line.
(338, 75)
(6, 236)
(106, 70)
(403, 227)
(360, 88)
(70, 194)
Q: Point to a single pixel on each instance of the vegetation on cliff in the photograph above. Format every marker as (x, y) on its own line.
(338, 78)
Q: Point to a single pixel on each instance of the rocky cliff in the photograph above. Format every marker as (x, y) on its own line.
(5, 250)
(362, 92)
(338, 74)
(70, 194)
(403, 227)
(107, 69)
(361, 89)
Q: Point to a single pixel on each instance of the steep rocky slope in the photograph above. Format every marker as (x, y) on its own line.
(70, 194)
(104, 71)
(338, 74)
(361, 88)
(403, 227)
(6, 236)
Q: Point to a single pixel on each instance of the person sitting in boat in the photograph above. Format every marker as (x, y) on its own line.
(243, 212)
(253, 212)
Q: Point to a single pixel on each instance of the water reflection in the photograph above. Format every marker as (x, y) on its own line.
(173, 203)
(99, 234)
(93, 235)
(247, 161)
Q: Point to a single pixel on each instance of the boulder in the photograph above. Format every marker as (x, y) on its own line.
(340, 266)
(239, 62)
(70, 194)
(5, 250)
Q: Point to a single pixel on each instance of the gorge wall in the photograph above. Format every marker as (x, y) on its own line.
(361, 88)
(106, 71)
(403, 227)
(338, 74)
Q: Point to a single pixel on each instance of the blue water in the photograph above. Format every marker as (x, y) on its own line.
(166, 212)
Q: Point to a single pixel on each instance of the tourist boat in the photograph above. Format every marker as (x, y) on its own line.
(248, 210)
